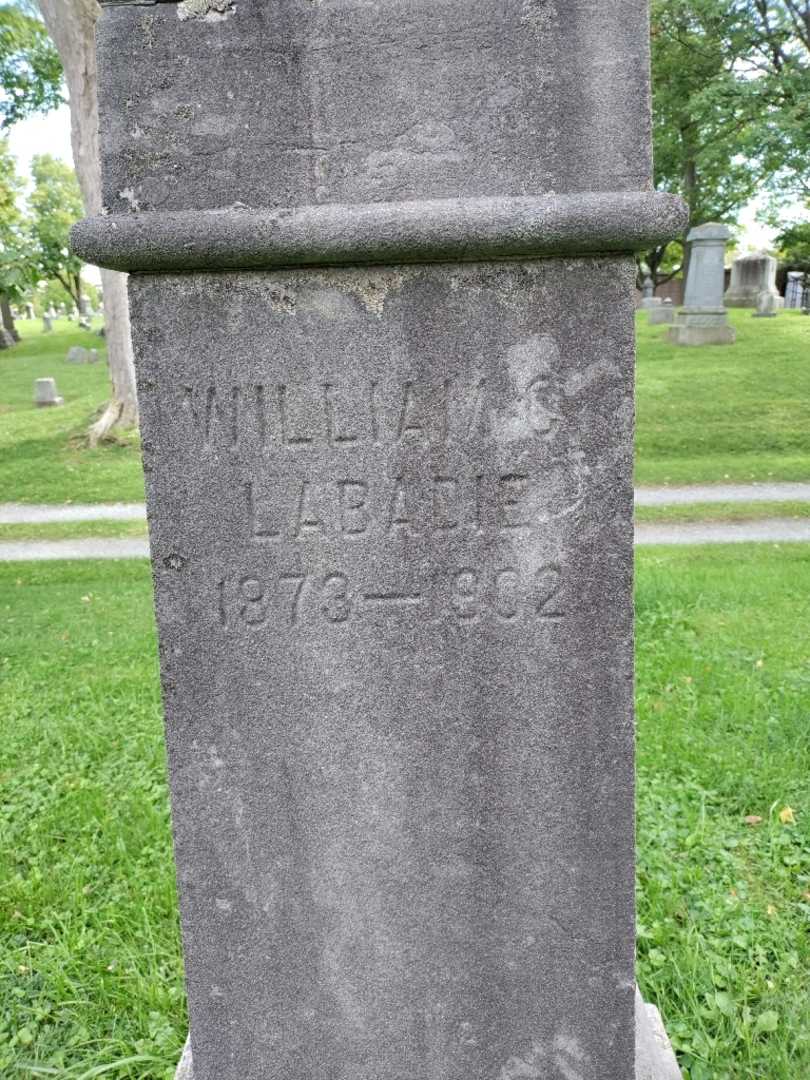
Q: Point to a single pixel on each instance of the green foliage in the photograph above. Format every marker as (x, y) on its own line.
(30, 69)
(731, 107)
(794, 246)
(56, 205)
(18, 270)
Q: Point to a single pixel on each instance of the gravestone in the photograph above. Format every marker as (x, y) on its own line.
(703, 320)
(29, 311)
(766, 306)
(78, 355)
(649, 300)
(794, 289)
(752, 275)
(47, 324)
(386, 402)
(45, 394)
(662, 315)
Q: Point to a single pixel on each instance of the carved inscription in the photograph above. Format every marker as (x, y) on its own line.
(294, 416)
(374, 462)
(467, 595)
(285, 508)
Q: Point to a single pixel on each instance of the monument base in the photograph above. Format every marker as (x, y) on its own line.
(746, 299)
(702, 326)
(655, 1058)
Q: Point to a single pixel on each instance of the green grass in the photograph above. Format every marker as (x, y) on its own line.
(723, 704)
(704, 415)
(43, 452)
(73, 530)
(721, 413)
(754, 511)
(90, 970)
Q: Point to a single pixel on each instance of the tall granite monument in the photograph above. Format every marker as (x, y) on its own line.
(703, 319)
(382, 291)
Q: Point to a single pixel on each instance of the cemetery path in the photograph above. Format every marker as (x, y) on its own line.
(95, 548)
(722, 493)
(768, 530)
(32, 514)
(44, 514)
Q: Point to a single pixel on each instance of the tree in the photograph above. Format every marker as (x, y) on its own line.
(56, 204)
(71, 24)
(794, 246)
(17, 262)
(731, 108)
(705, 116)
(30, 70)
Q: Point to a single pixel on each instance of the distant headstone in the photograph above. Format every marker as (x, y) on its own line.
(78, 355)
(648, 298)
(703, 320)
(389, 454)
(751, 275)
(47, 324)
(29, 311)
(84, 306)
(84, 323)
(794, 289)
(766, 306)
(45, 393)
(662, 315)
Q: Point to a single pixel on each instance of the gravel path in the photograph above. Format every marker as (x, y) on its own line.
(30, 514)
(21, 550)
(717, 493)
(771, 530)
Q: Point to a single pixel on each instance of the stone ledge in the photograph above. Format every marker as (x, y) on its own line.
(422, 231)
(655, 1058)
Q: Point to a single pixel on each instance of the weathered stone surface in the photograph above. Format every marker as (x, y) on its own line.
(703, 320)
(766, 305)
(354, 102)
(396, 655)
(79, 355)
(45, 393)
(47, 324)
(750, 276)
(391, 518)
(655, 1058)
(662, 315)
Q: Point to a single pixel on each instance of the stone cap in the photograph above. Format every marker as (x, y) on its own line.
(421, 231)
(710, 231)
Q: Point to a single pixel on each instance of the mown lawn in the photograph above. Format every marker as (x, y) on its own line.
(44, 455)
(90, 970)
(739, 412)
(704, 415)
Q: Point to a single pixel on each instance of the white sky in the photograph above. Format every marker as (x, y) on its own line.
(51, 134)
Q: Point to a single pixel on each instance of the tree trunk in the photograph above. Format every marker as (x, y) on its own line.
(7, 317)
(71, 24)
